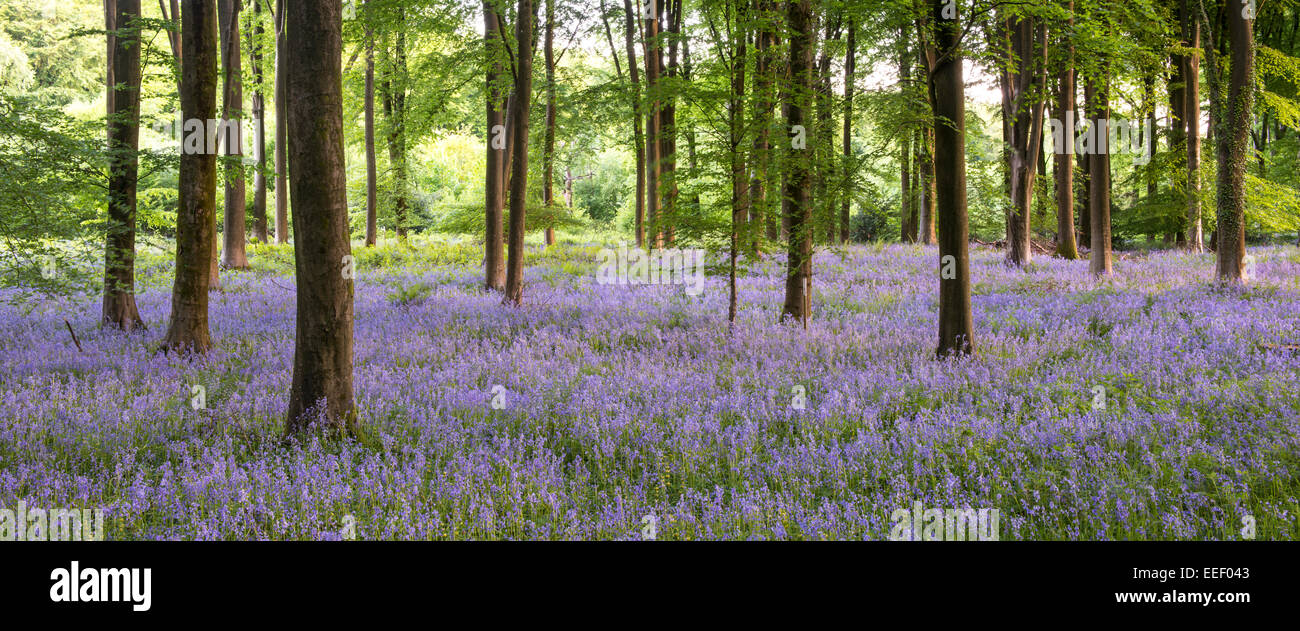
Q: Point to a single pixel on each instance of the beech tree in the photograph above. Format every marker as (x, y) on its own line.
(548, 132)
(196, 213)
(928, 58)
(1023, 85)
(372, 168)
(1190, 71)
(514, 290)
(259, 124)
(907, 213)
(123, 110)
(1232, 116)
(393, 92)
(736, 135)
(652, 125)
(948, 96)
(233, 254)
(846, 195)
(1063, 160)
(763, 163)
(281, 125)
(322, 359)
(796, 203)
(1097, 97)
(494, 186)
(634, 98)
(637, 137)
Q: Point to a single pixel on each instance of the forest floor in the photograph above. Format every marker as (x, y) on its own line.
(1148, 405)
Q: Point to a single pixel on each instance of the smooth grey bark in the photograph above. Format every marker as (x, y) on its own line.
(514, 292)
(948, 94)
(233, 254)
(123, 111)
(796, 202)
(322, 357)
(196, 214)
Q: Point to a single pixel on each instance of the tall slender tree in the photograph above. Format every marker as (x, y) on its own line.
(393, 88)
(322, 358)
(928, 58)
(233, 253)
(196, 214)
(907, 215)
(1063, 160)
(1023, 98)
(796, 202)
(548, 132)
(123, 110)
(372, 162)
(846, 192)
(259, 125)
(1234, 122)
(494, 265)
(736, 135)
(948, 94)
(650, 40)
(764, 82)
(514, 292)
(281, 125)
(671, 42)
(1097, 89)
(1191, 110)
(637, 135)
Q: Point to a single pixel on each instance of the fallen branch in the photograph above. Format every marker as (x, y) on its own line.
(74, 336)
(1290, 348)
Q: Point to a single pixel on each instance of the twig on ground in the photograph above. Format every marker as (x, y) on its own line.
(74, 336)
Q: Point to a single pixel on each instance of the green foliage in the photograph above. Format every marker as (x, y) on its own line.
(601, 192)
(50, 188)
(64, 63)
(410, 295)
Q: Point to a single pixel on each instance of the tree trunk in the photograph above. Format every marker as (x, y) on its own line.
(123, 111)
(1234, 142)
(795, 202)
(1099, 171)
(638, 138)
(1177, 115)
(823, 148)
(653, 165)
(1063, 160)
(948, 94)
(394, 89)
(736, 120)
(1191, 109)
(1149, 101)
(514, 293)
(196, 214)
(907, 214)
(1022, 106)
(761, 207)
(233, 254)
(927, 57)
(1085, 163)
(110, 82)
(322, 358)
(548, 134)
(372, 165)
(494, 264)
(173, 18)
(668, 126)
(259, 128)
(281, 126)
(926, 208)
(846, 192)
